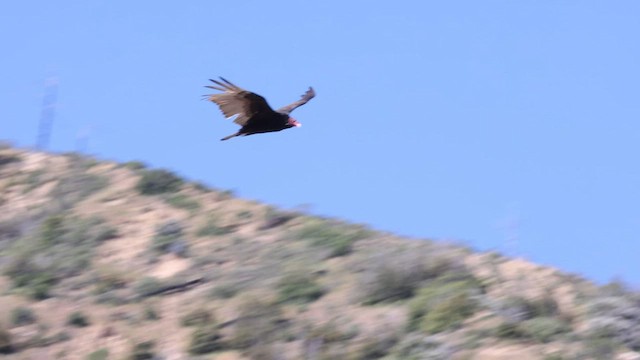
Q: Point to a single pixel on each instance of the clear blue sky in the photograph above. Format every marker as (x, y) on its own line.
(472, 120)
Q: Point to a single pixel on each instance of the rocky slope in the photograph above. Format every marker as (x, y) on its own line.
(102, 260)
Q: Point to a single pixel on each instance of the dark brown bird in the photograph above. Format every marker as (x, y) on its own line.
(254, 114)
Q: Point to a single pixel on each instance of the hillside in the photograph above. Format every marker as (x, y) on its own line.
(101, 260)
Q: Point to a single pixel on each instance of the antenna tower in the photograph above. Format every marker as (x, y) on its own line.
(48, 112)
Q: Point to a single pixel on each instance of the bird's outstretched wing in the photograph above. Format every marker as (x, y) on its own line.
(237, 101)
(303, 100)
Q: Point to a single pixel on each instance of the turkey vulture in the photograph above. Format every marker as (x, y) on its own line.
(254, 114)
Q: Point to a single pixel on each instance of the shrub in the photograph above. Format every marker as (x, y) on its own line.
(168, 238)
(36, 281)
(160, 181)
(135, 165)
(509, 330)
(397, 276)
(212, 227)
(338, 240)
(100, 354)
(147, 286)
(22, 316)
(9, 158)
(225, 291)
(10, 230)
(415, 346)
(143, 351)
(299, 287)
(540, 329)
(78, 319)
(544, 329)
(449, 314)
(258, 321)
(75, 187)
(6, 346)
(599, 348)
(205, 339)
(197, 317)
(52, 229)
(182, 201)
(150, 313)
(616, 317)
(517, 309)
(244, 215)
(443, 304)
(62, 247)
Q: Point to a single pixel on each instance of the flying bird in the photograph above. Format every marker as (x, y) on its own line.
(254, 114)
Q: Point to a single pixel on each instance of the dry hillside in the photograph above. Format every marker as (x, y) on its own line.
(101, 260)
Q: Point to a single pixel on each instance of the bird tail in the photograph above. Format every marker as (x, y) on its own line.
(230, 136)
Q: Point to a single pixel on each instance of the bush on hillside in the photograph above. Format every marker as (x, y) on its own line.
(143, 351)
(299, 286)
(78, 319)
(204, 340)
(337, 239)
(6, 346)
(154, 182)
(62, 247)
(443, 304)
(169, 238)
(398, 275)
(22, 316)
(258, 321)
(197, 317)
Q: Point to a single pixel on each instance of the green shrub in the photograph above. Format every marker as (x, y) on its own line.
(418, 346)
(135, 165)
(448, 314)
(78, 319)
(75, 187)
(299, 287)
(100, 354)
(147, 286)
(197, 317)
(160, 181)
(443, 304)
(52, 229)
(33, 180)
(258, 321)
(518, 308)
(244, 215)
(338, 239)
(544, 329)
(9, 158)
(143, 351)
(212, 227)
(509, 330)
(22, 316)
(37, 282)
(540, 329)
(182, 201)
(225, 291)
(6, 346)
(599, 348)
(398, 275)
(169, 237)
(150, 313)
(62, 247)
(205, 339)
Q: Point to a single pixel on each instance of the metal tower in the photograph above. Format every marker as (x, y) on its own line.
(48, 112)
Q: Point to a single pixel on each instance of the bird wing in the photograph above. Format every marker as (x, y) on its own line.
(237, 101)
(303, 100)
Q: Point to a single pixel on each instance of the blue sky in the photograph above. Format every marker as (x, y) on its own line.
(479, 121)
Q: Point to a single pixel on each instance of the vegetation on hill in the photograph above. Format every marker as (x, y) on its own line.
(100, 260)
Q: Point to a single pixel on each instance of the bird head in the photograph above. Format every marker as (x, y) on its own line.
(293, 122)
